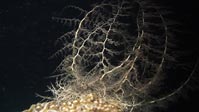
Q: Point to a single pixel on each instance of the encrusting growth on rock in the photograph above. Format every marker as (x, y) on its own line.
(86, 103)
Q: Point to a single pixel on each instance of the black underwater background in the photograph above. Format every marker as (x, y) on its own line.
(27, 36)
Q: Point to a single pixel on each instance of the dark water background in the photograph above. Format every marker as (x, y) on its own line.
(27, 35)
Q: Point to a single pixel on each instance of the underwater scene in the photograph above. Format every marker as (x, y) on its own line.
(99, 56)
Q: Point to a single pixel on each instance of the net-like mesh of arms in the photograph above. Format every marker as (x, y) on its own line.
(115, 52)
